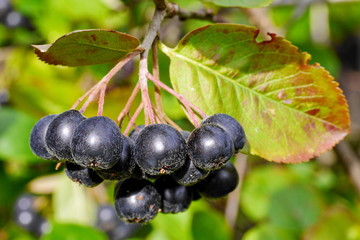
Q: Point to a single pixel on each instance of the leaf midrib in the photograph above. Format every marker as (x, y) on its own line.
(97, 46)
(172, 52)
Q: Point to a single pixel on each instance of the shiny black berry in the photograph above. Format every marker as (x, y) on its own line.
(160, 149)
(82, 175)
(60, 132)
(210, 147)
(97, 143)
(175, 197)
(135, 132)
(37, 137)
(219, 183)
(137, 200)
(124, 167)
(188, 174)
(231, 126)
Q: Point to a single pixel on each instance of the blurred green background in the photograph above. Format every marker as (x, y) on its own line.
(316, 200)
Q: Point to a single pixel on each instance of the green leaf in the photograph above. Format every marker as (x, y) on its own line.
(269, 232)
(72, 204)
(241, 3)
(15, 128)
(291, 111)
(166, 222)
(337, 224)
(87, 47)
(72, 232)
(295, 208)
(258, 190)
(210, 225)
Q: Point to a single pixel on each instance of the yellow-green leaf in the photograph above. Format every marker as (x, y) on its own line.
(87, 47)
(291, 111)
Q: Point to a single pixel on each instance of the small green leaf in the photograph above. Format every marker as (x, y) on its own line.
(87, 47)
(241, 3)
(291, 111)
(72, 232)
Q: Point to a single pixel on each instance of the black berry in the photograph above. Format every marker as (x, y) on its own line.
(135, 132)
(231, 126)
(124, 167)
(136, 200)
(97, 143)
(60, 132)
(37, 138)
(220, 182)
(210, 147)
(140, 174)
(185, 134)
(160, 149)
(82, 175)
(175, 197)
(189, 174)
(26, 216)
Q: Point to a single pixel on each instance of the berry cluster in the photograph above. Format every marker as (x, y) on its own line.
(159, 168)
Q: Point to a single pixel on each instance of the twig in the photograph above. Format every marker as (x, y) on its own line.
(156, 74)
(160, 4)
(232, 205)
(126, 109)
(180, 97)
(159, 107)
(183, 100)
(101, 85)
(351, 161)
(206, 14)
(83, 97)
(133, 119)
(154, 27)
(101, 101)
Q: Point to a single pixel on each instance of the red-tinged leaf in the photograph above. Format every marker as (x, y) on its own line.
(291, 111)
(87, 47)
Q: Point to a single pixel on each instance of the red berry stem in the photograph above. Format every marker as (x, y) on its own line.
(102, 84)
(128, 104)
(188, 105)
(133, 119)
